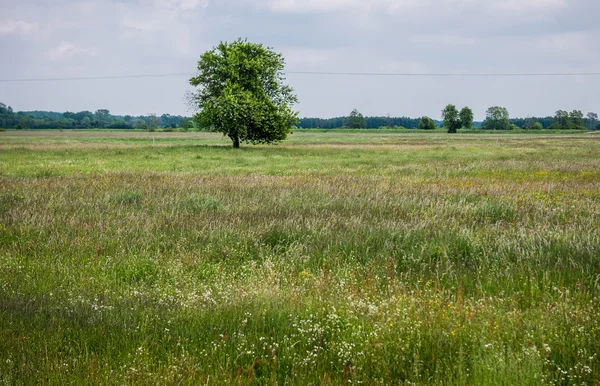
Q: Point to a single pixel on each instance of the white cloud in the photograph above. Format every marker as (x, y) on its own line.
(18, 27)
(184, 5)
(66, 50)
(528, 5)
(320, 6)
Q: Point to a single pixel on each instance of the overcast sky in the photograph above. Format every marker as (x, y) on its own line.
(69, 38)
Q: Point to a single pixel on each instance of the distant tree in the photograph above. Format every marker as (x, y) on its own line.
(496, 118)
(241, 93)
(19, 127)
(466, 118)
(592, 119)
(187, 124)
(141, 125)
(102, 118)
(86, 122)
(451, 118)
(68, 115)
(427, 124)
(576, 120)
(153, 122)
(356, 120)
(561, 120)
(530, 124)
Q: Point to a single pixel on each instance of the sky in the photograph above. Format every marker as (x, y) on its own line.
(91, 38)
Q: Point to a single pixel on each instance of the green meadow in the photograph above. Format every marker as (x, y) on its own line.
(333, 258)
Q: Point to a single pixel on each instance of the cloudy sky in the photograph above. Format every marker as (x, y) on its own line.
(83, 38)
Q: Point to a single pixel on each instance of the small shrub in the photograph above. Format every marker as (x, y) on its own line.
(19, 127)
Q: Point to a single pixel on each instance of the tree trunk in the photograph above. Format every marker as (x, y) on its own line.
(236, 142)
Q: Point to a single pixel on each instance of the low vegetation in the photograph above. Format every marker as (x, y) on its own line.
(335, 258)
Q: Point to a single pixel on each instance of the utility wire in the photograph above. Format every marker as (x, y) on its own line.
(397, 74)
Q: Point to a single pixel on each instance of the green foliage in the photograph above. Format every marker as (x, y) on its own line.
(591, 121)
(536, 126)
(564, 120)
(356, 120)
(19, 127)
(497, 118)
(466, 118)
(576, 120)
(451, 118)
(427, 124)
(81, 120)
(187, 124)
(372, 122)
(241, 93)
(532, 124)
(153, 122)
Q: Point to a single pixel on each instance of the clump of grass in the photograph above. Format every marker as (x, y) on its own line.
(201, 203)
(494, 211)
(45, 172)
(129, 197)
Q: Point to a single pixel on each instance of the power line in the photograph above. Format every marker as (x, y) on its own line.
(443, 74)
(323, 73)
(94, 77)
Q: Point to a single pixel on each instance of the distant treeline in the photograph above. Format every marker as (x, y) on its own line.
(407, 123)
(87, 120)
(103, 119)
(372, 122)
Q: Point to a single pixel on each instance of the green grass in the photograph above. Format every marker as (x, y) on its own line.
(334, 258)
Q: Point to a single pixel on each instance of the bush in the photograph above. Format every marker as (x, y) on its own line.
(19, 127)
(427, 124)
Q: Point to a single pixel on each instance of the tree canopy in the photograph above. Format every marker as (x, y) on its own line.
(451, 118)
(564, 120)
(356, 120)
(466, 118)
(427, 124)
(497, 118)
(240, 92)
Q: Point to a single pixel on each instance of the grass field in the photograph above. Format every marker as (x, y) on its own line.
(334, 258)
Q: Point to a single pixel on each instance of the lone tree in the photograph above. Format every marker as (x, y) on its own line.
(427, 124)
(451, 119)
(466, 118)
(496, 118)
(240, 92)
(356, 120)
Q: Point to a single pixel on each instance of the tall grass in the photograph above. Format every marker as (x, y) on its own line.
(404, 261)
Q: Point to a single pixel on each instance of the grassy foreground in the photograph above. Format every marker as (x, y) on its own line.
(335, 258)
